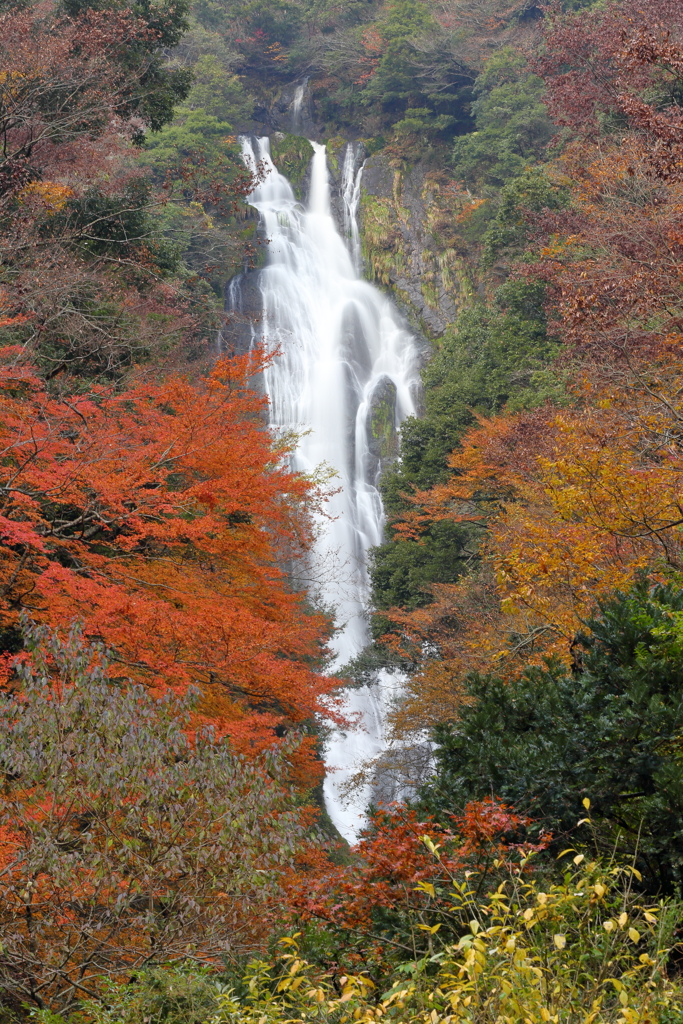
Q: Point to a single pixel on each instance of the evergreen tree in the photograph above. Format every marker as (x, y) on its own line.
(608, 730)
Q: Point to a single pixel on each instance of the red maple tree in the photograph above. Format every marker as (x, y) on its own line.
(162, 516)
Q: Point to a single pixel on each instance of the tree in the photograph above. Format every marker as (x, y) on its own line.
(394, 899)
(158, 85)
(512, 123)
(494, 357)
(219, 92)
(573, 504)
(608, 732)
(258, 31)
(160, 516)
(82, 253)
(127, 841)
(596, 61)
(393, 79)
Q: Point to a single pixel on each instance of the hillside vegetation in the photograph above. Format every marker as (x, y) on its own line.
(164, 858)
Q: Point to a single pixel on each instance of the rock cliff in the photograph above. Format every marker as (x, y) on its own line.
(411, 244)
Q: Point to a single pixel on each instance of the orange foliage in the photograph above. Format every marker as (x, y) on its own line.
(161, 516)
(373, 47)
(396, 870)
(578, 503)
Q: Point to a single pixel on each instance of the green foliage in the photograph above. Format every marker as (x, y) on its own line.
(422, 121)
(494, 357)
(198, 152)
(394, 83)
(531, 192)
(163, 995)
(258, 29)
(218, 92)
(512, 124)
(419, 134)
(102, 224)
(403, 571)
(416, 86)
(196, 135)
(611, 730)
(576, 950)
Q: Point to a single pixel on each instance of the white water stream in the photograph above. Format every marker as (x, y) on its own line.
(343, 348)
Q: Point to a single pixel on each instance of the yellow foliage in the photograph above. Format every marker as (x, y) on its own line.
(49, 194)
(529, 956)
(576, 504)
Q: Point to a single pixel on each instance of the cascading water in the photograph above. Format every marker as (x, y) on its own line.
(297, 105)
(351, 183)
(345, 377)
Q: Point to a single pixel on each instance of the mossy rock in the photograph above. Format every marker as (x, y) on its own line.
(382, 436)
(335, 149)
(291, 154)
(382, 240)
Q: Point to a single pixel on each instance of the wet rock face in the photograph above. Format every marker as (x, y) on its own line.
(290, 112)
(381, 424)
(406, 245)
(244, 311)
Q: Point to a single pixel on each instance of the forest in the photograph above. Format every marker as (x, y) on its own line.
(167, 680)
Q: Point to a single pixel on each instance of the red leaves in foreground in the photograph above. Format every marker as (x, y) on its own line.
(403, 858)
(161, 517)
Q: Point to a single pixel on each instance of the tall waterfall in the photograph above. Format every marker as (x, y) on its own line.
(345, 378)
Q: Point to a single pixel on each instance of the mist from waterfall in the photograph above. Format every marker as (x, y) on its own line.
(346, 362)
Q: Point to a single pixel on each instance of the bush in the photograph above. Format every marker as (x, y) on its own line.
(610, 730)
(513, 127)
(582, 950)
(125, 840)
(495, 356)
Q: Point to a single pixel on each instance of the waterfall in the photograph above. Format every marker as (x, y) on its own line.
(345, 377)
(351, 183)
(297, 105)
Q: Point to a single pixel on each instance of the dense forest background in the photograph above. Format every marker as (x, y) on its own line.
(163, 852)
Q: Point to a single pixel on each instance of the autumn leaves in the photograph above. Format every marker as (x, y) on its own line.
(158, 515)
(142, 493)
(579, 501)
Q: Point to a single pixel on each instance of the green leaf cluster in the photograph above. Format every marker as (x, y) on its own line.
(609, 730)
(512, 124)
(219, 92)
(394, 84)
(194, 133)
(495, 356)
(507, 231)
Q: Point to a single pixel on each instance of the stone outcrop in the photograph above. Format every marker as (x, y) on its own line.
(410, 245)
(381, 424)
(290, 111)
(243, 312)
